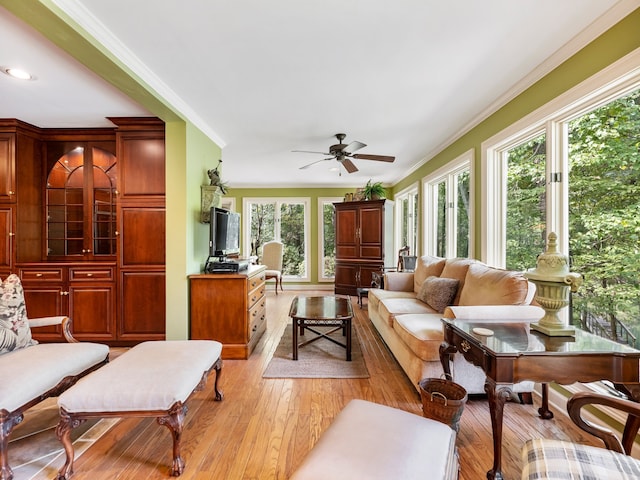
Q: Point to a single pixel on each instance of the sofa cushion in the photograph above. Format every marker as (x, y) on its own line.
(388, 308)
(438, 292)
(14, 326)
(457, 268)
(427, 266)
(486, 285)
(421, 333)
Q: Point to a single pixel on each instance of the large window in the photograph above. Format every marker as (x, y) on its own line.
(407, 214)
(447, 206)
(573, 168)
(285, 220)
(327, 239)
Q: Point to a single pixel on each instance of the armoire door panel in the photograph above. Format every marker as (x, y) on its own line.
(143, 166)
(6, 238)
(91, 309)
(142, 234)
(142, 314)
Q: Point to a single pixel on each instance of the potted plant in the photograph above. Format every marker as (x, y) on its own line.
(374, 191)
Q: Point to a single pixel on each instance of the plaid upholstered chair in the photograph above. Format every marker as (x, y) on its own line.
(546, 459)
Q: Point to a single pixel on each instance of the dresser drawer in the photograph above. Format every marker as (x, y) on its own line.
(37, 275)
(90, 274)
(255, 281)
(257, 317)
(256, 295)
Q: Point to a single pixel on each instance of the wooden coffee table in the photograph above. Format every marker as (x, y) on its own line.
(310, 312)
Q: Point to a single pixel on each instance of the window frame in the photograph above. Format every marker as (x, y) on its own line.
(447, 174)
(410, 194)
(620, 78)
(278, 201)
(322, 201)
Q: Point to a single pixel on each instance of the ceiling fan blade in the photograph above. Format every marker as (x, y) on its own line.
(309, 151)
(317, 161)
(348, 165)
(379, 158)
(353, 146)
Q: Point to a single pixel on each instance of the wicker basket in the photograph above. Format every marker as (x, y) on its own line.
(443, 400)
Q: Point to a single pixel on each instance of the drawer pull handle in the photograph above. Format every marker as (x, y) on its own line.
(38, 275)
(464, 345)
(89, 274)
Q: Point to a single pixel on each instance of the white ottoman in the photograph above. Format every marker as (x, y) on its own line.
(372, 441)
(153, 379)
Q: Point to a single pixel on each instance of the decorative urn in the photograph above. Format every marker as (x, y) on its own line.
(553, 282)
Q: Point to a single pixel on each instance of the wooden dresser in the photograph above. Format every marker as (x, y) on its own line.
(229, 308)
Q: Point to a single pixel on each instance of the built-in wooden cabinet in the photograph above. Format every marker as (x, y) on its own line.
(82, 221)
(85, 293)
(7, 228)
(141, 229)
(364, 243)
(229, 308)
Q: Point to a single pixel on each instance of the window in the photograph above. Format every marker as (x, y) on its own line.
(544, 138)
(447, 206)
(573, 168)
(285, 220)
(326, 239)
(406, 203)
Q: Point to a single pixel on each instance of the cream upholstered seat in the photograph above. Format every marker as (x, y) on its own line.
(272, 258)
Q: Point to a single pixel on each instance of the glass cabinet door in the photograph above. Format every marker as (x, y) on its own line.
(81, 205)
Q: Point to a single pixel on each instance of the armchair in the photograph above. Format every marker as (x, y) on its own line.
(546, 459)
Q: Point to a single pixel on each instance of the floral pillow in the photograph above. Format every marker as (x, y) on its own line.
(14, 326)
(438, 292)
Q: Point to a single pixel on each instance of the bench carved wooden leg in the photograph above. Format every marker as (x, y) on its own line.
(63, 432)
(7, 423)
(174, 421)
(218, 367)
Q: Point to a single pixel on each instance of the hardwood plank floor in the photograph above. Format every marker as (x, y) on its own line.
(265, 427)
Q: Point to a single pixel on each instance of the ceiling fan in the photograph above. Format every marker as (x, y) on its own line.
(343, 153)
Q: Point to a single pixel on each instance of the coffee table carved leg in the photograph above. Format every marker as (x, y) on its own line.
(544, 411)
(497, 396)
(174, 421)
(63, 432)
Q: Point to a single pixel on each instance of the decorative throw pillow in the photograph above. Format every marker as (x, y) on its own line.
(14, 326)
(438, 292)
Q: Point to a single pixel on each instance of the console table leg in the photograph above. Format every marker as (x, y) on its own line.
(497, 397)
(544, 411)
(295, 339)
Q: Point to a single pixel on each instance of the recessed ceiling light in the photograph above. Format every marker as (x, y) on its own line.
(18, 73)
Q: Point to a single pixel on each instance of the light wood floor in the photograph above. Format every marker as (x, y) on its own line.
(264, 427)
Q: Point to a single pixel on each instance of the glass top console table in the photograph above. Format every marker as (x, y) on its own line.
(509, 352)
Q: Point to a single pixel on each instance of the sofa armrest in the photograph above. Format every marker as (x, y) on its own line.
(60, 320)
(520, 313)
(398, 281)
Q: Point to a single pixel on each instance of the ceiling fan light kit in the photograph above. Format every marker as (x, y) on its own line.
(343, 153)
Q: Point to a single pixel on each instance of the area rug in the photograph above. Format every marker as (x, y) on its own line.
(320, 359)
(34, 449)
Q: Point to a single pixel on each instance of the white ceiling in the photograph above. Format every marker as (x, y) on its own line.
(264, 78)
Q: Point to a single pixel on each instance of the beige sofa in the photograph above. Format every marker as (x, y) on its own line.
(407, 313)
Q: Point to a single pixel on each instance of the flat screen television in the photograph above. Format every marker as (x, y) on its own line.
(224, 233)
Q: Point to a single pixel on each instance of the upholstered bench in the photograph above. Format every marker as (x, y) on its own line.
(153, 379)
(372, 441)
